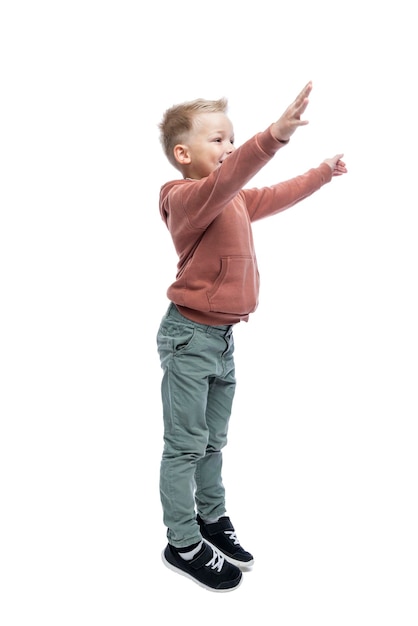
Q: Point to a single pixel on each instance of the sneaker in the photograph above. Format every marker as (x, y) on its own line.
(208, 568)
(221, 536)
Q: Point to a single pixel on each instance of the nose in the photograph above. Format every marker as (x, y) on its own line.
(230, 148)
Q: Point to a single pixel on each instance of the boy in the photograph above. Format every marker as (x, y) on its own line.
(209, 213)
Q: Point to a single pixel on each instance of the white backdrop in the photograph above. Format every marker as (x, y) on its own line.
(321, 466)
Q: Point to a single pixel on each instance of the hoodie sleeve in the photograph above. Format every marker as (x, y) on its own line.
(271, 200)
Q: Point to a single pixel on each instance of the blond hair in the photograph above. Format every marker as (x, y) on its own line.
(177, 122)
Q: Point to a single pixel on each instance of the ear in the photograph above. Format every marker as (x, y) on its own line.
(181, 154)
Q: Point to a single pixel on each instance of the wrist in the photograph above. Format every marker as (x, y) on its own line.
(276, 132)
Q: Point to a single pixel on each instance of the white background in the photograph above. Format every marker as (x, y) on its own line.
(321, 467)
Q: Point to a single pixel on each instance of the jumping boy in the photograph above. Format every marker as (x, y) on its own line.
(208, 213)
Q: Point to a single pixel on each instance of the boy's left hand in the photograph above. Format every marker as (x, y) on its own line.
(337, 166)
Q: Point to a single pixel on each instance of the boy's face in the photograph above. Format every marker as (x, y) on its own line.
(209, 143)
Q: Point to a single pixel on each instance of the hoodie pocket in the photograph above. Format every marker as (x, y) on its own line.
(236, 288)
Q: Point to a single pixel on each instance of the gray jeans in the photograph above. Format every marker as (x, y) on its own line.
(197, 391)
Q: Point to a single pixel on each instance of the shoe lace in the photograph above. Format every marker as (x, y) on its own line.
(232, 536)
(216, 561)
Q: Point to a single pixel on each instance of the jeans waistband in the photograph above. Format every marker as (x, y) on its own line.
(220, 330)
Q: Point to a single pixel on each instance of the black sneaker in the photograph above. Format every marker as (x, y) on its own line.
(208, 568)
(221, 535)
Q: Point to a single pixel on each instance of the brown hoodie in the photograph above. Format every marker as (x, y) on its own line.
(209, 221)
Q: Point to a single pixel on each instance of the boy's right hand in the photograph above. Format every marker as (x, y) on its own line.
(337, 166)
(286, 125)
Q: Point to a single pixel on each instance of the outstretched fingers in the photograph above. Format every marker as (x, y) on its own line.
(302, 100)
(298, 106)
(337, 165)
(286, 125)
(304, 93)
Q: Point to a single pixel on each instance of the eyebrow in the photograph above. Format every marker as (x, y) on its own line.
(221, 132)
